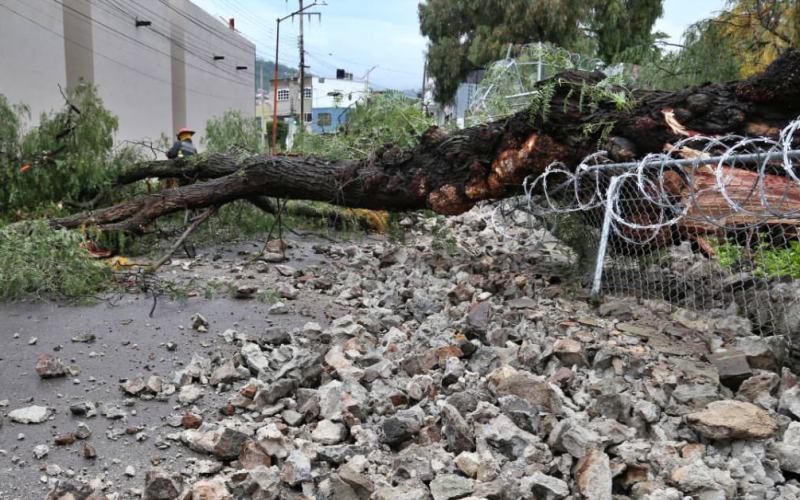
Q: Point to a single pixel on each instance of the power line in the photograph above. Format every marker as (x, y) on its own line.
(139, 42)
(201, 24)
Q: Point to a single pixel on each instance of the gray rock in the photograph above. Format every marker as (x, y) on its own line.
(576, 439)
(759, 389)
(30, 415)
(465, 402)
(402, 492)
(693, 396)
(254, 358)
(478, 317)
(732, 367)
(133, 387)
(275, 336)
(358, 482)
(545, 487)
(227, 373)
(698, 479)
(199, 322)
(510, 440)
(296, 469)
(398, 429)
(762, 353)
(457, 431)
(453, 370)
(533, 389)
(787, 451)
(569, 352)
(593, 476)
(82, 431)
(228, 443)
(40, 451)
(790, 402)
(469, 463)
(329, 433)
(190, 393)
(278, 308)
(413, 463)
(450, 486)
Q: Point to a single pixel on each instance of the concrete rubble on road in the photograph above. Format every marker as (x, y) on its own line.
(469, 370)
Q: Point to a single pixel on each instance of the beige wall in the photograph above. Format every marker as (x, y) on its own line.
(155, 78)
(32, 63)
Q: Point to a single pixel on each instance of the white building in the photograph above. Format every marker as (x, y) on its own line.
(332, 99)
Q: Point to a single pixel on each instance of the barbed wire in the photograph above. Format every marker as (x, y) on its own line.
(744, 172)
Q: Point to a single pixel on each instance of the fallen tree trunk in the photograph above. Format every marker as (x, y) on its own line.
(450, 173)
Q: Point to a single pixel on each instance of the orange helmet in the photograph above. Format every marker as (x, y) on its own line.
(185, 130)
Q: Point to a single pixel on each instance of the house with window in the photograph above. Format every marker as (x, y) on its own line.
(288, 102)
(333, 99)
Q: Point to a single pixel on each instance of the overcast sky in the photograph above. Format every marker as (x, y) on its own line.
(359, 34)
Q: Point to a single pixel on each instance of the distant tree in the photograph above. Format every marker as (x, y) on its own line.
(467, 34)
(758, 31)
(740, 41)
(268, 68)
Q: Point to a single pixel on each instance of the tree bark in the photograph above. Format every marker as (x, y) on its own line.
(450, 173)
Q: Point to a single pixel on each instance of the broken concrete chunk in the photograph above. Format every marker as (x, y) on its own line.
(730, 419)
(732, 367)
(30, 415)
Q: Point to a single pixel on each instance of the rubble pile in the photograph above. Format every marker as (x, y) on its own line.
(468, 367)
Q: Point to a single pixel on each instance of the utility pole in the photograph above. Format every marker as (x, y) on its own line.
(301, 12)
(302, 74)
(424, 81)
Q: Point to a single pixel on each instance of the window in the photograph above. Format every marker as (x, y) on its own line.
(307, 93)
(324, 119)
(283, 94)
(308, 117)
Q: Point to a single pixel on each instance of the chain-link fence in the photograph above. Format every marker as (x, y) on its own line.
(713, 224)
(509, 84)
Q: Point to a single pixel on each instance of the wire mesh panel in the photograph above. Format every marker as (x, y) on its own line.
(510, 84)
(714, 224)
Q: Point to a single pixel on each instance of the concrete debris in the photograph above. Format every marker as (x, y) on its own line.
(419, 371)
(49, 367)
(30, 415)
(733, 420)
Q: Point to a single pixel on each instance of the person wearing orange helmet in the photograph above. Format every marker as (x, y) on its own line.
(183, 146)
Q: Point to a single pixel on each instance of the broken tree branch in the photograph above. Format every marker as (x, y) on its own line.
(451, 173)
(189, 230)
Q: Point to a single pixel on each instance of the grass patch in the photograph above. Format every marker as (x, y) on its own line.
(38, 262)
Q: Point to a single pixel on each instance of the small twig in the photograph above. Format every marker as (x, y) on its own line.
(196, 222)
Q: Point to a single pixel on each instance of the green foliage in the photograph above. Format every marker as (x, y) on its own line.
(283, 132)
(728, 254)
(702, 58)
(468, 34)
(66, 158)
(780, 262)
(233, 131)
(37, 261)
(266, 70)
(389, 117)
(769, 262)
